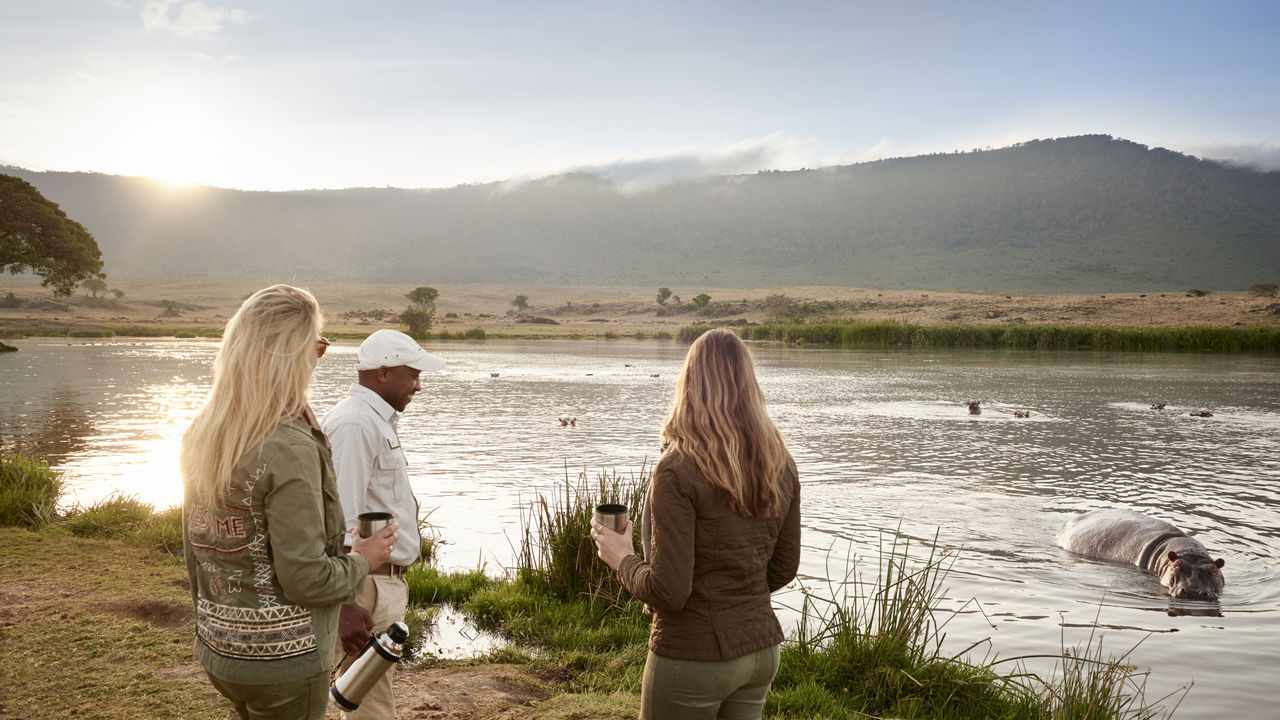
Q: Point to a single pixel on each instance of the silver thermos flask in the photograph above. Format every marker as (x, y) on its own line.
(379, 655)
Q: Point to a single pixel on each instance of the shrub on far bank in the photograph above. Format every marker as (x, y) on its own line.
(689, 333)
(29, 491)
(472, 334)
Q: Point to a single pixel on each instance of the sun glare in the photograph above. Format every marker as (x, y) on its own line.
(146, 461)
(175, 138)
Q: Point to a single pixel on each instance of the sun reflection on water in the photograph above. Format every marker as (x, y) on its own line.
(139, 456)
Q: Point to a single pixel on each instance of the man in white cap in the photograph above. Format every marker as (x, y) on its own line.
(373, 477)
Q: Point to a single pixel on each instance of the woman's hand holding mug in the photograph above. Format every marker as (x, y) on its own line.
(612, 545)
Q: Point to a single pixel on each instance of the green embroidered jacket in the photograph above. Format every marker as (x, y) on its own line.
(267, 569)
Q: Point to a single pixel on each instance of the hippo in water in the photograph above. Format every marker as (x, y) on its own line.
(1181, 562)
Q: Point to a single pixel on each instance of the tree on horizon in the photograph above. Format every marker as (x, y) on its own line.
(421, 313)
(37, 236)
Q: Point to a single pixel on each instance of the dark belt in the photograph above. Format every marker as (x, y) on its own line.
(389, 569)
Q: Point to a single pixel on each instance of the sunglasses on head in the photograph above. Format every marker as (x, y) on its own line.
(321, 346)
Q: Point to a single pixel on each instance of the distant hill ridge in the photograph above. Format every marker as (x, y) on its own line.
(1080, 214)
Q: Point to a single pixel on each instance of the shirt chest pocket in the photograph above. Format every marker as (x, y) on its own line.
(388, 469)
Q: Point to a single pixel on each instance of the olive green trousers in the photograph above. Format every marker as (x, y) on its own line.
(690, 690)
(304, 699)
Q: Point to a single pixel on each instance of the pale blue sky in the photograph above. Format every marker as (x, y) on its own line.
(340, 93)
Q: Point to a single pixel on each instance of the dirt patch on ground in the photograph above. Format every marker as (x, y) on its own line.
(165, 615)
(461, 693)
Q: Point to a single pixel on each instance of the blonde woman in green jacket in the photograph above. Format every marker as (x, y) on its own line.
(262, 523)
(721, 533)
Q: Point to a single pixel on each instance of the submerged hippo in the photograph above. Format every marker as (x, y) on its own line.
(1181, 562)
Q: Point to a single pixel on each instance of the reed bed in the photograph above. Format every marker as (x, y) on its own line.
(472, 334)
(557, 556)
(889, 334)
(561, 600)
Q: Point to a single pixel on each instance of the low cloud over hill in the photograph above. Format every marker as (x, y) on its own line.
(1076, 214)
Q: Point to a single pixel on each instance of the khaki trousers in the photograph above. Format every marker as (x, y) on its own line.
(690, 690)
(386, 598)
(304, 699)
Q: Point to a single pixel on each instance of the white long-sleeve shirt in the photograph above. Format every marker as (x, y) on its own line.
(372, 473)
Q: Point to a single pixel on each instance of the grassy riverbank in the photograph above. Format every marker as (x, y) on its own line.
(149, 307)
(1016, 337)
(887, 334)
(97, 622)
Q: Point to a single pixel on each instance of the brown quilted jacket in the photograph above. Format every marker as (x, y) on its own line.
(708, 572)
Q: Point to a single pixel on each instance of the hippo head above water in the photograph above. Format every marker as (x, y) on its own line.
(1191, 575)
(1183, 565)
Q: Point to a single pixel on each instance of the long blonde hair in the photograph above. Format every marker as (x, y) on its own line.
(261, 376)
(718, 420)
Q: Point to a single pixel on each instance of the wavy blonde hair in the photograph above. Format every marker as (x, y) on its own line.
(718, 420)
(261, 376)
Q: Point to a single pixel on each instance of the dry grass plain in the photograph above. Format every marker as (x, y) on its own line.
(591, 311)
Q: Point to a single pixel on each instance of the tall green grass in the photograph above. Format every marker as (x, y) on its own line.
(875, 649)
(117, 516)
(161, 531)
(562, 599)
(557, 555)
(1094, 684)
(429, 586)
(29, 491)
(1029, 337)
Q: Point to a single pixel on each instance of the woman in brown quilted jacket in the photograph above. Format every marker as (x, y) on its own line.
(721, 532)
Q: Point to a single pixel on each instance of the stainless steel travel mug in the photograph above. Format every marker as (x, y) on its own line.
(612, 516)
(371, 522)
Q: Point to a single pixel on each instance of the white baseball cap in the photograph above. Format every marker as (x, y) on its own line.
(392, 348)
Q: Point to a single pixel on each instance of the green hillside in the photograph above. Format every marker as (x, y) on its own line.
(1088, 213)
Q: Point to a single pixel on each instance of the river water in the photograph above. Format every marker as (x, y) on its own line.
(884, 444)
